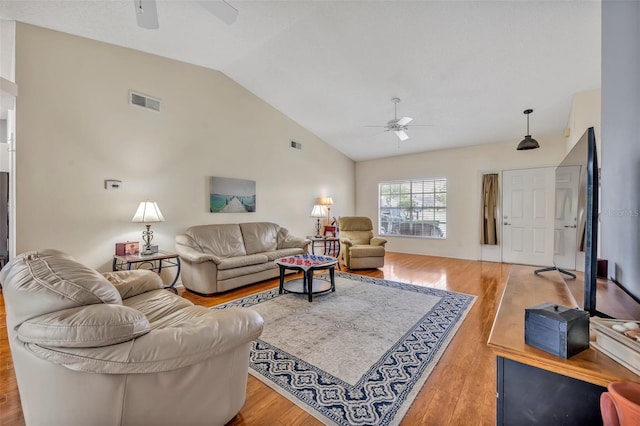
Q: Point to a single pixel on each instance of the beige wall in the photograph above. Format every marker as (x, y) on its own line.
(463, 168)
(585, 113)
(76, 129)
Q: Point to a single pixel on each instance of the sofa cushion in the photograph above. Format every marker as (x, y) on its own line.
(283, 234)
(260, 236)
(59, 282)
(358, 237)
(157, 304)
(134, 282)
(247, 270)
(223, 240)
(366, 251)
(277, 254)
(241, 261)
(85, 327)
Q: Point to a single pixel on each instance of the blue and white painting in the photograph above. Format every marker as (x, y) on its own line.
(228, 195)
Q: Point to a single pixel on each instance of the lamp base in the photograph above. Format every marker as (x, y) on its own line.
(149, 250)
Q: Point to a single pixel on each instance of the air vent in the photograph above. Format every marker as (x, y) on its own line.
(144, 101)
(296, 145)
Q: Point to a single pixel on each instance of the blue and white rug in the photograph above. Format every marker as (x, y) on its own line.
(358, 356)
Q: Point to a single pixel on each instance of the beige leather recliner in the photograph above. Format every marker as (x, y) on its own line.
(359, 249)
(117, 349)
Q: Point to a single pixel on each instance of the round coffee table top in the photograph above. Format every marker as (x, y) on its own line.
(306, 261)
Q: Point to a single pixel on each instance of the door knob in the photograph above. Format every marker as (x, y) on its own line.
(570, 226)
(507, 223)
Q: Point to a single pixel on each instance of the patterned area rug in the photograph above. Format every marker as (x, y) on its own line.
(358, 356)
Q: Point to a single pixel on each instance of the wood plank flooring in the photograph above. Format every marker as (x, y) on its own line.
(461, 390)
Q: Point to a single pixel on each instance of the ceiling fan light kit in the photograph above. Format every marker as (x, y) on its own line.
(528, 142)
(397, 125)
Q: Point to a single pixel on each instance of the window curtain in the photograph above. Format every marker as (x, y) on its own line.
(489, 209)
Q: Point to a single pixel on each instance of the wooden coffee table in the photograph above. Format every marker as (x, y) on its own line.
(307, 264)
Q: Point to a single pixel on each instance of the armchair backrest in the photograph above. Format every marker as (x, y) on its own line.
(58, 281)
(358, 229)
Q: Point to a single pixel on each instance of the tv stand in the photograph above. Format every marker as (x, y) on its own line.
(535, 387)
(553, 268)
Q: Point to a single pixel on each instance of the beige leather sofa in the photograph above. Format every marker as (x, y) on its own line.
(359, 249)
(116, 349)
(217, 258)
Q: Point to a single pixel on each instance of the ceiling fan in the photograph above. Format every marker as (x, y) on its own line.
(398, 125)
(147, 12)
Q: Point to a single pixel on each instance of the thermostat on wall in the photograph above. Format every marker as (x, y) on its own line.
(112, 184)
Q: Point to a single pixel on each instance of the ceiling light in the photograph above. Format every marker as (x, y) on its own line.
(528, 142)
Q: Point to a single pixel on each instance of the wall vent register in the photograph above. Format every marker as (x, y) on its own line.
(144, 101)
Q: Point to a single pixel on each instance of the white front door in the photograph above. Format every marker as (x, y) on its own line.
(528, 219)
(566, 217)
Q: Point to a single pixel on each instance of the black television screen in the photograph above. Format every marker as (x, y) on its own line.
(576, 213)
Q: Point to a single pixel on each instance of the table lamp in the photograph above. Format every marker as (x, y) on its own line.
(318, 212)
(148, 212)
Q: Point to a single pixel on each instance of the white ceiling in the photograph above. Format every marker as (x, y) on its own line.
(469, 69)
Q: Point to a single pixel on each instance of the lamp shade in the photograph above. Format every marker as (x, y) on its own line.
(318, 211)
(528, 142)
(326, 201)
(148, 212)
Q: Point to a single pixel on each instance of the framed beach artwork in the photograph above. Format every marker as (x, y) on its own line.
(228, 195)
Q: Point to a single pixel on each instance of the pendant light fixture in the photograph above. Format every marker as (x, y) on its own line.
(528, 142)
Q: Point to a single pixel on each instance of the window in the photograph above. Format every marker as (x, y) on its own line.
(416, 208)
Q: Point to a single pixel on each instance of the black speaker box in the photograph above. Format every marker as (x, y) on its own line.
(556, 329)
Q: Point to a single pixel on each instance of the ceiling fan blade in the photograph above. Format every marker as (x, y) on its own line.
(221, 9)
(404, 121)
(372, 125)
(146, 14)
(401, 135)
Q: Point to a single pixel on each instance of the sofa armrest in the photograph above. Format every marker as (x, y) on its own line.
(192, 340)
(185, 249)
(377, 241)
(295, 242)
(135, 282)
(193, 256)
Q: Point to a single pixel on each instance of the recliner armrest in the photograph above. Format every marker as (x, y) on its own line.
(346, 241)
(377, 241)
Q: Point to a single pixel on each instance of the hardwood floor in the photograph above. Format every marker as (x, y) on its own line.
(461, 390)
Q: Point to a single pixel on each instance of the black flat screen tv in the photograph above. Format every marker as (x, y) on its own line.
(583, 157)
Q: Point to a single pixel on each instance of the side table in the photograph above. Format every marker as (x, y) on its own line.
(330, 245)
(154, 262)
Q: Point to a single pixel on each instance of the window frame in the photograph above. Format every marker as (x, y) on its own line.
(415, 207)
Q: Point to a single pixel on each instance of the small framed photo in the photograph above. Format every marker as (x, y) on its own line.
(130, 248)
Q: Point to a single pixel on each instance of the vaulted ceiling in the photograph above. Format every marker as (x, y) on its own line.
(468, 69)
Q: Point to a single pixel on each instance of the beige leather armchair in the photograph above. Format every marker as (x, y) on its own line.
(359, 249)
(117, 349)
